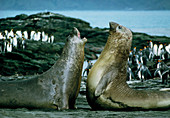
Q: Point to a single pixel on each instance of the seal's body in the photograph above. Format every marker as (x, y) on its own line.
(106, 82)
(56, 88)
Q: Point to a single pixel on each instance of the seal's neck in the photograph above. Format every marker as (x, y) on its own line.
(72, 50)
(115, 51)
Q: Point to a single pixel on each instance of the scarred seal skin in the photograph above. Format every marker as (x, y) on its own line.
(106, 83)
(56, 88)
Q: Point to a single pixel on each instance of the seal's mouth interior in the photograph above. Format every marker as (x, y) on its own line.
(76, 32)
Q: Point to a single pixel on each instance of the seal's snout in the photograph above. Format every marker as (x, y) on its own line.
(76, 32)
(113, 26)
(85, 39)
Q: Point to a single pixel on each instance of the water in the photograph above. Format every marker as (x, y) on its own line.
(150, 22)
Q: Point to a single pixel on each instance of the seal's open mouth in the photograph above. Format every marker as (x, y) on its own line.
(76, 32)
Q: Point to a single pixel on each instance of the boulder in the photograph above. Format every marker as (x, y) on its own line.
(38, 56)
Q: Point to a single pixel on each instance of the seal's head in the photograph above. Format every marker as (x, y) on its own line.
(120, 33)
(119, 40)
(74, 45)
(75, 37)
(117, 29)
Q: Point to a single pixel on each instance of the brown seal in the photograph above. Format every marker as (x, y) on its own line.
(106, 82)
(56, 88)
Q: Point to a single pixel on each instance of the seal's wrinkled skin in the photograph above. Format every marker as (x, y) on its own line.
(106, 82)
(57, 88)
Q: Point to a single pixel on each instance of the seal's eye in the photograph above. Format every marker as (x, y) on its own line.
(119, 27)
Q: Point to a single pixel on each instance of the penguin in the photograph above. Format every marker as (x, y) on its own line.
(14, 42)
(130, 74)
(9, 47)
(138, 73)
(167, 51)
(46, 38)
(23, 43)
(159, 49)
(3, 46)
(6, 34)
(52, 39)
(130, 59)
(11, 33)
(155, 49)
(134, 51)
(29, 34)
(151, 54)
(163, 71)
(151, 44)
(143, 72)
(43, 36)
(158, 69)
(168, 48)
(163, 54)
(32, 35)
(22, 35)
(25, 33)
(1, 36)
(145, 52)
(140, 56)
(49, 39)
(19, 43)
(37, 36)
(18, 34)
(136, 59)
(4, 41)
(87, 69)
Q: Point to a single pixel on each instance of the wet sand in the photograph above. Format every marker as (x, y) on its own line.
(84, 111)
(80, 113)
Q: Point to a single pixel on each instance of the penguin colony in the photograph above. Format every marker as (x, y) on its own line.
(138, 62)
(10, 40)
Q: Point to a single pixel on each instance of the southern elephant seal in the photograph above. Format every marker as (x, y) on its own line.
(56, 88)
(106, 83)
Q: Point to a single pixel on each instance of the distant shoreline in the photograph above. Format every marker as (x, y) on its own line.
(81, 14)
(39, 56)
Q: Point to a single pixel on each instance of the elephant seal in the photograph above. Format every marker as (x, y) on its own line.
(57, 88)
(106, 83)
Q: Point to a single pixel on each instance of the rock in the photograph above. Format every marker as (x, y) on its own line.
(38, 56)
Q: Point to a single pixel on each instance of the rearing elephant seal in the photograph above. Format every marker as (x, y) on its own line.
(106, 82)
(57, 88)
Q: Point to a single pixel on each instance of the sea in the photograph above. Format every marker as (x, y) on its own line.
(150, 22)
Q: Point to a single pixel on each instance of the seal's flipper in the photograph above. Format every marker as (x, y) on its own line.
(104, 81)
